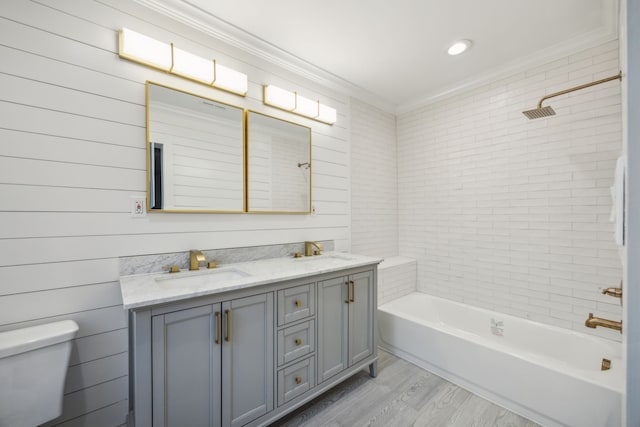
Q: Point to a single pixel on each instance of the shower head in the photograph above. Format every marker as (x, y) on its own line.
(538, 113)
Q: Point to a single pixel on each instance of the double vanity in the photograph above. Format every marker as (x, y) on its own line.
(244, 344)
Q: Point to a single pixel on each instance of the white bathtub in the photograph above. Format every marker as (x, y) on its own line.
(547, 374)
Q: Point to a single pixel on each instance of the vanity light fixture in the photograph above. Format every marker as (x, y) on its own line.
(279, 98)
(306, 107)
(458, 47)
(166, 57)
(327, 114)
(294, 103)
(145, 50)
(192, 66)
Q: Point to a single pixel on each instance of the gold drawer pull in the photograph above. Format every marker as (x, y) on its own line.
(227, 314)
(353, 291)
(218, 327)
(298, 380)
(348, 292)
(298, 303)
(298, 341)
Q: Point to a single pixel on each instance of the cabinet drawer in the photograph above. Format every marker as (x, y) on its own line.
(296, 341)
(295, 380)
(296, 303)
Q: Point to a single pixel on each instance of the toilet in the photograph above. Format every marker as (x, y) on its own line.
(33, 367)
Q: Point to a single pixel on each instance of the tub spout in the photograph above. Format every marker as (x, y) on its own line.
(592, 322)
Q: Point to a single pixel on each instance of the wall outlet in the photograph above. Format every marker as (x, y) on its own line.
(138, 206)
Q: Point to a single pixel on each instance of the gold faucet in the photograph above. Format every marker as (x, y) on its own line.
(195, 258)
(308, 248)
(614, 292)
(592, 322)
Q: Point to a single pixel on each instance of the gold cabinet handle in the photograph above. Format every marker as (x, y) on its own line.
(298, 380)
(227, 314)
(298, 341)
(218, 327)
(353, 291)
(298, 303)
(348, 292)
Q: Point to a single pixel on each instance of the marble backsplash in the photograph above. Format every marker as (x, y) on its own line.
(154, 263)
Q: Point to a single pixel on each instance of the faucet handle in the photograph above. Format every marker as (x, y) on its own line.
(172, 268)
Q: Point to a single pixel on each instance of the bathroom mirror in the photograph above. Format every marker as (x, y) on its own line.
(278, 165)
(195, 153)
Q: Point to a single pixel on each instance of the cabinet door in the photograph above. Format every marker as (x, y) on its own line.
(361, 317)
(247, 359)
(332, 327)
(186, 369)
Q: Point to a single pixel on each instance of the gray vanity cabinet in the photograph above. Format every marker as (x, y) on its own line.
(361, 310)
(247, 359)
(186, 367)
(249, 356)
(213, 365)
(345, 323)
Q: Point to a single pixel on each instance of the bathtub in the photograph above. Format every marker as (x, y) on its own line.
(545, 373)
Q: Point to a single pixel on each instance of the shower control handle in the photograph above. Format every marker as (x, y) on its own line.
(613, 292)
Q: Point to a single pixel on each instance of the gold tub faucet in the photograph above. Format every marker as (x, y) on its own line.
(592, 322)
(308, 248)
(195, 258)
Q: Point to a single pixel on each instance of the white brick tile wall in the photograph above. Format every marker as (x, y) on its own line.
(512, 214)
(396, 278)
(374, 188)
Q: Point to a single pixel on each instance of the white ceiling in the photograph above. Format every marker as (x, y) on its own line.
(395, 51)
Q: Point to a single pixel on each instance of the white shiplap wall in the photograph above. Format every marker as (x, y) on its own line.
(72, 152)
(512, 214)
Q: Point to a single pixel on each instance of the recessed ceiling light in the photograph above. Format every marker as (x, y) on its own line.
(458, 47)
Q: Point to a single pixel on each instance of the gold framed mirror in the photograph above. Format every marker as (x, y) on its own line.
(278, 165)
(195, 152)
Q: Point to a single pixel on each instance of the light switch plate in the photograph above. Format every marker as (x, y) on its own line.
(138, 206)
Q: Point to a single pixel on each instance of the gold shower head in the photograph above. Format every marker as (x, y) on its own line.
(540, 112)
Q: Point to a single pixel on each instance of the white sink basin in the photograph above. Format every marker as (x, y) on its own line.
(202, 278)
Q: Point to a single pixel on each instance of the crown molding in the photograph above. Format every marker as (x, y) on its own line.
(558, 51)
(185, 12)
(607, 32)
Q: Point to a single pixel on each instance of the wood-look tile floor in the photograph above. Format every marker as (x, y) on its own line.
(401, 395)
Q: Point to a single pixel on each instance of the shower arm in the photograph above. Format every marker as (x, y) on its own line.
(584, 86)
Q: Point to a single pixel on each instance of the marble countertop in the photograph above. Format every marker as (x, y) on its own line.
(141, 290)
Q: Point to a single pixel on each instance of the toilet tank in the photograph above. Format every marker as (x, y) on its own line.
(33, 367)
